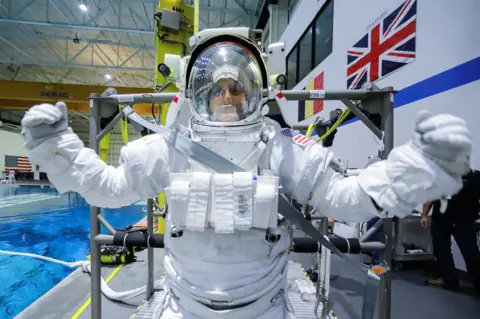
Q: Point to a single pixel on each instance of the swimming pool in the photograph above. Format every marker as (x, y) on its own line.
(59, 232)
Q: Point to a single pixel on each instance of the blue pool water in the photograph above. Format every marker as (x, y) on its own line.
(59, 232)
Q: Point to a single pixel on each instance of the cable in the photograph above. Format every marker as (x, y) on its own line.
(153, 113)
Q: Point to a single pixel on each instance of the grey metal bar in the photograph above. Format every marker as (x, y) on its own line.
(110, 126)
(104, 239)
(96, 292)
(370, 295)
(302, 95)
(139, 98)
(149, 290)
(388, 129)
(106, 224)
(363, 118)
(371, 231)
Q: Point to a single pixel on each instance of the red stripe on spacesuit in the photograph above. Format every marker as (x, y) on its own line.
(301, 139)
(175, 99)
(280, 95)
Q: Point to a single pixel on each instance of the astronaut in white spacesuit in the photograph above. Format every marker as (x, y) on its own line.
(223, 266)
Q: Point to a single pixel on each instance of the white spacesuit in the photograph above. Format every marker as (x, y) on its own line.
(223, 266)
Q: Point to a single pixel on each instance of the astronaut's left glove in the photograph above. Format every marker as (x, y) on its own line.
(428, 167)
(445, 139)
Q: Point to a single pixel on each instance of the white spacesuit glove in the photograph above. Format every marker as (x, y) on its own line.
(44, 121)
(428, 167)
(444, 139)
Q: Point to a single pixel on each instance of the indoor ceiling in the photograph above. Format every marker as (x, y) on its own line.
(55, 41)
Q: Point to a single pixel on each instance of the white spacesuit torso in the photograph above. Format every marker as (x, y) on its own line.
(231, 257)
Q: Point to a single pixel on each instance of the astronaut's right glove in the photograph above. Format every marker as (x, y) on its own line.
(44, 121)
(50, 143)
(428, 167)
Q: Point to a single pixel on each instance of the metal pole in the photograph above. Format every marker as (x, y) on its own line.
(149, 290)
(139, 98)
(96, 293)
(110, 125)
(371, 231)
(302, 95)
(388, 130)
(106, 224)
(363, 118)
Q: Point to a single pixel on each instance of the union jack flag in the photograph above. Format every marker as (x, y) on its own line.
(388, 46)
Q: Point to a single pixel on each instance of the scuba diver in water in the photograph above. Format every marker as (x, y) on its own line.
(223, 264)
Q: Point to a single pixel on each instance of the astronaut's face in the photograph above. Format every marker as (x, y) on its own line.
(225, 85)
(227, 99)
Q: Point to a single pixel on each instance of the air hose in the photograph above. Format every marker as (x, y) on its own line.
(342, 117)
(85, 264)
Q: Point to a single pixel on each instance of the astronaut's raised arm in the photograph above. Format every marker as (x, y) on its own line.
(143, 170)
(394, 186)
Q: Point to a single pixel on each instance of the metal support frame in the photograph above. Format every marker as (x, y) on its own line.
(108, 98)
(377, 101)
(373, 95)
(96, 291)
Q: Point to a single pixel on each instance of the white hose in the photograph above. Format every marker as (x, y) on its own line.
(158, 311)
(123, 295)
(74, 264)
(85, 264)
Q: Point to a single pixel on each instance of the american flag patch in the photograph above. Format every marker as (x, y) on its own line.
(301, 140)
(289, 132)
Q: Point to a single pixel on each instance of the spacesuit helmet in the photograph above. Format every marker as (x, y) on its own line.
(225, 85)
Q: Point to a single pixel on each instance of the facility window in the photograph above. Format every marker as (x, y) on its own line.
(292, 69)
(305, 63)
(323, 33)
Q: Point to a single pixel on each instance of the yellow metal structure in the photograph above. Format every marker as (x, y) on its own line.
(23, 95)
(104, 147)
(170, 41)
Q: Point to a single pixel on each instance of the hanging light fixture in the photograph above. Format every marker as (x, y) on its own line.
(83, 6)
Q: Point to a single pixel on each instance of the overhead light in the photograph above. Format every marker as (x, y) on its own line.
(83, 6)
(108, 76)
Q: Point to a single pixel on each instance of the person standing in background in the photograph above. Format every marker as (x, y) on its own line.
(458, 220)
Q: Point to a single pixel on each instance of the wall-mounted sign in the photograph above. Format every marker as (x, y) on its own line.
(54, 94)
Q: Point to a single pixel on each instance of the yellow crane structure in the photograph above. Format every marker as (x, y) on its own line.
(175, 23)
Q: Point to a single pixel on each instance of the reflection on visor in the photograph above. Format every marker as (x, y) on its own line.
(225, 84)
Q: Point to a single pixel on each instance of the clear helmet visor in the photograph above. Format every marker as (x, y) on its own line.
(225, 84)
